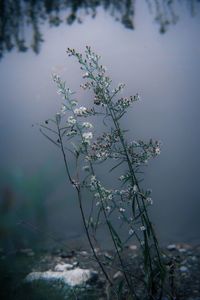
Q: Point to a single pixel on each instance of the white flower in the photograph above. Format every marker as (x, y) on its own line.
(149, 200)
(86, 75)
(131, 231)
(157, 150)
(122, 192)
(110, 197)
(58, 118)
(87, 125)
(135, 189)
(80, 111)
(122, 209)
(122, 177)
(86, 168)
(93, 178)
(56, 77)
(87, 136)
(142, 228)
(69, 91)
(97, 195)
(59, 91)
(108, 208)
(63, 109)
(120, 87)
(71, 120)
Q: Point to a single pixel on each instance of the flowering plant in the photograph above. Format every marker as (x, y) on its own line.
(128, 203)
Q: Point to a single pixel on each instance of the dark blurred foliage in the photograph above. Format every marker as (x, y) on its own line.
(21, 20)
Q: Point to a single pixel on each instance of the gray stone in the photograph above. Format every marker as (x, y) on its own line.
(183, 269)
(171, 247)
(72, 278)
(63, 267)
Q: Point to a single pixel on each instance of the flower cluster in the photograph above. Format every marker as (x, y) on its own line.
(140, 152)
(100, 193)
(125, 102)
(81, 111)
(71, 120)
(87, 125)
(103, 147)
(87, 136)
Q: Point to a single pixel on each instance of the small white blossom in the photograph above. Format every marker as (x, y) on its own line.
(63, 109)
(87, 125)
(121, 209)
(122, 192)
(87, 136)
(93, 178)
(71, 133)
(56, 77)
(122, 177)
(60, 91)
(110, 197)
(108, 208)
(71, 120)
(86, 168)
(86, 75)
(142, 228)
(137, 97)
(69, 91)
(131, 231)
(149, 200)
(157, 150)
(135, 188)
(97, 195)
(80, 111)
(58, 118)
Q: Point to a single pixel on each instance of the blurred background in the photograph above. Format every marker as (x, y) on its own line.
(152, 46)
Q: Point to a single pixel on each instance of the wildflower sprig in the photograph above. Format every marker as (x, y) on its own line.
(128, 203)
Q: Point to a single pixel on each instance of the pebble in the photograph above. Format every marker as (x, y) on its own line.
(69, 254)
(182, 250)
(63, 267)
(72, 278)
(84, 253)
(183, 269)
(27, 251)
(133, 247)
(171, 247)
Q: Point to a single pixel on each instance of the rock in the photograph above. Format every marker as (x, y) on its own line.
(27, 251)
(133, 247)
(171, 247)
(75, 264)
(63, 267)
(67, 254)
(84, 253)
(183, 269)
(182, 250)
(72, 278)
